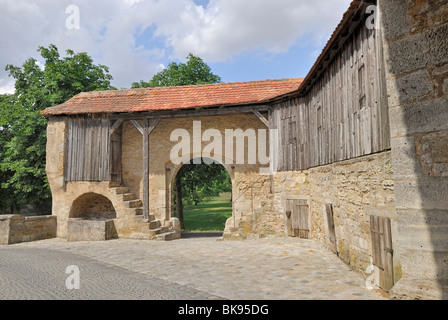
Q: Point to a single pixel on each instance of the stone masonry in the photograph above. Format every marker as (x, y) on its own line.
(416, 53)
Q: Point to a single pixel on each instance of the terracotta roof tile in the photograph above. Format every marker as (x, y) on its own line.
(175, 98)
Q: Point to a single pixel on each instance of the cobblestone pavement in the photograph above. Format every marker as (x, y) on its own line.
(190, 268)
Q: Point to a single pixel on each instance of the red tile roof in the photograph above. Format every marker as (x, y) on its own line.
(175, 98)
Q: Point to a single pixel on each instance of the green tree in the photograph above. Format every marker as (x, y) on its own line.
(9, 201)
(196, 183)
(23, 148)
(194, 71)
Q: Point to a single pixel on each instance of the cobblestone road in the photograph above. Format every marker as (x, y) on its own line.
(191, 268)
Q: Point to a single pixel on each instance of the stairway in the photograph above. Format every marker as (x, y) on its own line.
(151, 227)
(244, 228)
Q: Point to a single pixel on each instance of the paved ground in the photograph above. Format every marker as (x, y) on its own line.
(190, 268)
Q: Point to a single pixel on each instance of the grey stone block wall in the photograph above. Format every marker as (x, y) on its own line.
(416, 58)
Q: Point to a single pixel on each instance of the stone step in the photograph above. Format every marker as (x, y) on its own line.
(167, 236)
(134, 203)
(121, 190)
(134, 212)
(156, 231)
(129, 196)
(114, 184)
(140, 219)
(154, 224)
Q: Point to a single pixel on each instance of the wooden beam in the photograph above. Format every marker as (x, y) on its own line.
(138, 126)
(115, 126)
(153, 125)
(262, 119)
(145, 169)
(188, 113)
(146, 132)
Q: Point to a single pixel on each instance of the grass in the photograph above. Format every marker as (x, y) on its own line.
(210, 216)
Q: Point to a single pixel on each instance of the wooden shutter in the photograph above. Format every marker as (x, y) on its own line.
(331, 228)
(382, 252)
(298, 218)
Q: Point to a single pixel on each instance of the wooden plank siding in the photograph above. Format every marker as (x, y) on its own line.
(343, 115)
(88, 149)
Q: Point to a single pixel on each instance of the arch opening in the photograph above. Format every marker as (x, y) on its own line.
(93, 206)
(202, 196)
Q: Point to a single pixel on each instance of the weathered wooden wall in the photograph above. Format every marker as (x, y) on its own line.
(343, 115)
(88, 149)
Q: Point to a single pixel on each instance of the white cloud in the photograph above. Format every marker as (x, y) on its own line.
(6, 86)
(108, 30)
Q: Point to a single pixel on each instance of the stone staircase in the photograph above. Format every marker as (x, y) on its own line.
(151, 228)
(243, 229)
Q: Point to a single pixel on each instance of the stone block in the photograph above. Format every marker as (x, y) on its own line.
(404, 160)
(410, 88)
(11, 229)
(424, 116)
(425, 193)
(395, 19)
(90, 230)
(422, 50)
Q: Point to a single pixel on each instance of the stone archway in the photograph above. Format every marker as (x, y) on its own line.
(91, 218)
(92, 206)
(172, 172)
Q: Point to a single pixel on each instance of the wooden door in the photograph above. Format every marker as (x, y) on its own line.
(298, 218)
(331, 228)
(380, 231)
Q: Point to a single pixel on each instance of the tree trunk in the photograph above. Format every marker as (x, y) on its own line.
(179, 205)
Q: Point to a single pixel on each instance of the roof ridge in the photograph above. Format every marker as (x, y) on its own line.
(121, 91)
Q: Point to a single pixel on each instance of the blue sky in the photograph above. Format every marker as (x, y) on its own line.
(241, 40)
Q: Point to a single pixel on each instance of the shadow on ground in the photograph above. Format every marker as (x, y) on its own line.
(186, 235)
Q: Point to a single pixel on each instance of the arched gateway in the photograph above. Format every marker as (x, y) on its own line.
(130, 151)
(328, 173)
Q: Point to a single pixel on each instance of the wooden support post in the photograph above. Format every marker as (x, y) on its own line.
(273, 141)
(146, 131)
(271, 146)
(145, 169)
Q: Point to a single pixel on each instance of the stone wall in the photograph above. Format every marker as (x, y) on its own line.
(356, 188)
(416, 54)
(161, 175)
(16, 229)
(162, 172)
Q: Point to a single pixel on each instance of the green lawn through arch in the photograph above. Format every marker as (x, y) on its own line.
(209, 216)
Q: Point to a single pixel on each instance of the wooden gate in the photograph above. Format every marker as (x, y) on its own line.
(331, 229)
(298, 218)
(380, 231)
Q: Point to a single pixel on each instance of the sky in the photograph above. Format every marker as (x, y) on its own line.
(241, 40)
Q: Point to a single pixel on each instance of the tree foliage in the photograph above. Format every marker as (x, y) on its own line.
(23, 133)
(194, 71)
(202, 181)
(196, 183)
